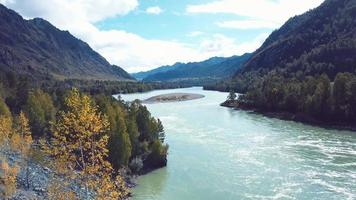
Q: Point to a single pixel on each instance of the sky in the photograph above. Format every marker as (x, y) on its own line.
(140, 35)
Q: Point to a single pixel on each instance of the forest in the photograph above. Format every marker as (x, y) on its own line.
(316, 99)
(305, 68)
(85, 136)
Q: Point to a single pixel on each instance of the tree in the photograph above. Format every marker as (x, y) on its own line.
(40, 110)
(157, 157)
(22, 131)
(133, 132)
(340, 94)
(7, 179)
(5, 124)
(21, 141)
(57, 190)
(161, 133)
(119, 143)
(232, 96)
(4, 109)
(79, 142)
(120, 149)
(351, 93)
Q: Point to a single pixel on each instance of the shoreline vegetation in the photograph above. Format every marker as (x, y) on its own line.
(129, 138)
(173, 97)
(287, 116)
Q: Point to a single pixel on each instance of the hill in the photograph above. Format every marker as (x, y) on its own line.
(213, 69)
(38, 49)
(306, 69)
(319, 41)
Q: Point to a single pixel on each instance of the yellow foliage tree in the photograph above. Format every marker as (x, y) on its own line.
(5, 130)
(21, 141)
(58, 190)
(79, 142)
(7, 179)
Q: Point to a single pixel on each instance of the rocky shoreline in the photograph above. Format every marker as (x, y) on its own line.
(40, 176)
(298, 117)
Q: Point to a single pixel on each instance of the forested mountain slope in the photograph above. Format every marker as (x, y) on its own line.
(307, 68)
(322, 40)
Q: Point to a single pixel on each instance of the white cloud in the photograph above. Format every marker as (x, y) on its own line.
(248, 24)
(263, 13)
(128, 50)
(221, 45)
(154, 10)
(61, 10)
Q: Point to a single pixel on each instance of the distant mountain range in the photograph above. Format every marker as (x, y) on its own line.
(38, 49)
(213, 69)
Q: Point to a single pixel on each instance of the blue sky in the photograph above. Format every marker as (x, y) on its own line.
(173, 23)
(139, 35)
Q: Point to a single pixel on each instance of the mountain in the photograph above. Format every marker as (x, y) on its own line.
(304, 71)
(38, 49)
(322, 40)
(213, 69)
(142, 75)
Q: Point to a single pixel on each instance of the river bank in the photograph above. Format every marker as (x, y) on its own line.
(297, 117)
(248, 156)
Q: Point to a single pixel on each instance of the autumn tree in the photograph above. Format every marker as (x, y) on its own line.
(7, 173)
(5, 124)
(79, 142)
(7, 179)
(21, 141)
(57, 189)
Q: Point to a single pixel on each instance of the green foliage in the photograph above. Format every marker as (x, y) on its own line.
(4, 109)
(157, 157)
(149, 142)
(306, 68)
(41, 111)
(133, 131)
(41, 99)
(119, 141)
(316, 97)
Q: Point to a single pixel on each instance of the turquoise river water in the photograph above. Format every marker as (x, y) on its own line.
(220, 153)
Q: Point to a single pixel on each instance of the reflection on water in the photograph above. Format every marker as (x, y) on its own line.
(220, 153)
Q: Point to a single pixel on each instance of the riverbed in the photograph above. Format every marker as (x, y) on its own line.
(220, 153)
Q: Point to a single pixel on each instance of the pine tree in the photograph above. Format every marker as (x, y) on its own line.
(232, 96)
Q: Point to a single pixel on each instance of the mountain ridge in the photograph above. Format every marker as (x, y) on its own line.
(212, 69)
(40, 50)
(311, 31)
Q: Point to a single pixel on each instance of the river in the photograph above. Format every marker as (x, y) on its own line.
(220, 153)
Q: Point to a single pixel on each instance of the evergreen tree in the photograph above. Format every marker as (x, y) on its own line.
(40, 110)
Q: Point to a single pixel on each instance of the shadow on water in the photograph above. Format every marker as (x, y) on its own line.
(153, 183)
